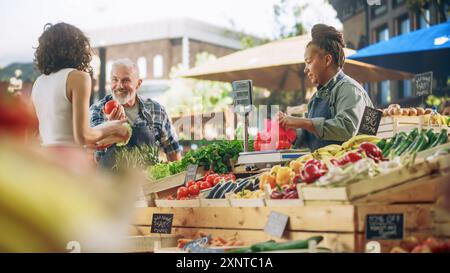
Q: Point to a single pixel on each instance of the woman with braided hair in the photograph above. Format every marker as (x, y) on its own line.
(336, 109)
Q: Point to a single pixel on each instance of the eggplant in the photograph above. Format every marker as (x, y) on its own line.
(230, 188)
(241, 186)
(214, 190)
(219, 192)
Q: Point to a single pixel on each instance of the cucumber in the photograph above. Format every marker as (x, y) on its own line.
(387, 147)
(442, 138)
(381, 143)
(299, 244)
(241, 250)
(424, 145)
(399, 140)
(402, 148)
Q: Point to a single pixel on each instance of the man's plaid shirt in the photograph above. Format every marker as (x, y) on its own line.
(151, 113)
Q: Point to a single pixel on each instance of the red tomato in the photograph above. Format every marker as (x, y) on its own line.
(231, 176)
(209, 173)
(182, 192)
(210, 178)
(205, 185)
(194, 190)
(198, 183)
(217, 180)
(110, 106)
(190, 183)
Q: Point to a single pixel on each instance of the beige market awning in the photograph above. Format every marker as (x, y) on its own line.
(279, 65)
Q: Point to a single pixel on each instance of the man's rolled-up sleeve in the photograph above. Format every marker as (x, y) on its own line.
(169, 138)
(350, 105)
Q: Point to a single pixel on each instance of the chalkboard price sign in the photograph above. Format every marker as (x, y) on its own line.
(191, 173)
(276, 224)
(162, 223)
(385, 226)
(370, 121)
(423, 84)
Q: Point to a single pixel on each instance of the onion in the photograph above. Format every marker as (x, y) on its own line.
(385, 112)
(428, 111)
(420, 111)
(412, 112)
(405, 111)
(397, 111)
(391, 112)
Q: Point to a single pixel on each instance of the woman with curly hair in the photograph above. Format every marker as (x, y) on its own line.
(61, 94)
(336, 109)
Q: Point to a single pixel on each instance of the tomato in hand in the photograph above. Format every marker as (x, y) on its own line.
(110, 106)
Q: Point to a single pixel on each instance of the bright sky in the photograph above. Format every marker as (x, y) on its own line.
(22, 21)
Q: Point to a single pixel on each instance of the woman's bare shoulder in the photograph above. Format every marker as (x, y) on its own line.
(78, 76)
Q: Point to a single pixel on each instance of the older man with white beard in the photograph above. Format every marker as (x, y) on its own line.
(150, 123)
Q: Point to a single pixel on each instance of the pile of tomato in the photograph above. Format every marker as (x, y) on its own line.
(192, 188)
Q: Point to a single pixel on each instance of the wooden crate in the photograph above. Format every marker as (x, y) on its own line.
(342, 226)
(389, 126)
(379, 184)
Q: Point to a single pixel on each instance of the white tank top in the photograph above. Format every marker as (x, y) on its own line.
(53, 109)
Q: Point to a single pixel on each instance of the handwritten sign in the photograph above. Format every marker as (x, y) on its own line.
(191, 173)
(242, 96)
(162, 223)
(385, 226)
(423, 84)
(276, 224)
(370, 121)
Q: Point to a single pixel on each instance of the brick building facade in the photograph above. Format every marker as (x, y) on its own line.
(158, 46)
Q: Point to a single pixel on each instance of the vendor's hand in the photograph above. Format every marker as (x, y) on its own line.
(117, 113)
(286, 121)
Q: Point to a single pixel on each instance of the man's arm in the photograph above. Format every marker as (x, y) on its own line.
(174, 156)
(169, 138)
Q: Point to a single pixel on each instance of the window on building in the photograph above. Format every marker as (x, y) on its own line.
(385, 92)
(404, 27)
(424, 21)
(158, 66)
(142, 65)
(108, 70)
(383, 34)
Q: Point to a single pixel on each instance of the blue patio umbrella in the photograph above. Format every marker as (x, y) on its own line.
(416, 52)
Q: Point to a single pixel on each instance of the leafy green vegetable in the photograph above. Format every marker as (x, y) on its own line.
(215, 156)
(158, 171)
(136, 157)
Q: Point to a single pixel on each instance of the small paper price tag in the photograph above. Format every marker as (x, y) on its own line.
(276, 224)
